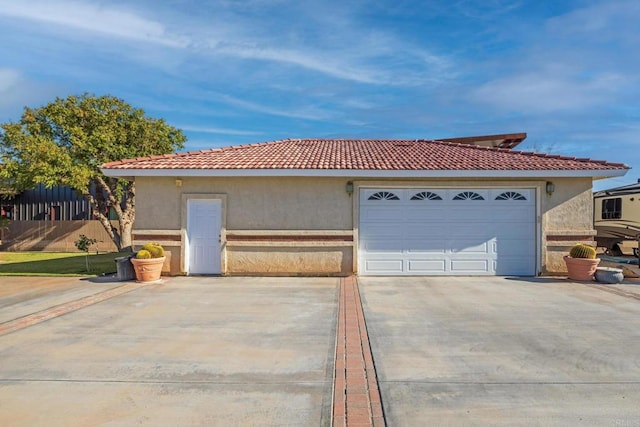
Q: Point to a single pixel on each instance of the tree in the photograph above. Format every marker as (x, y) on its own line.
(65, 143)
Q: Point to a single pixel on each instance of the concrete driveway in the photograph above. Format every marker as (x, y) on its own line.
(189, 351)
(499, 351)
(260, 351)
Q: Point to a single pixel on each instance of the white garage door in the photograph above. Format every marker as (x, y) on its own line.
(447, 232)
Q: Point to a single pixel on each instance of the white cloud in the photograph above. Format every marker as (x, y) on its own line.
(603, 19)
(547, 91)
(8, 79)
(575, 62)
(340, 48)
(334, 66)
(309, 113)
(217, 130)
(17, 91)
(92, 17)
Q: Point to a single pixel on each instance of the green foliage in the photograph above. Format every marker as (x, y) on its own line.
(156, 250)
(582, 251)
(66, 141)
(84, 243)
(56, 264)
(144, 254)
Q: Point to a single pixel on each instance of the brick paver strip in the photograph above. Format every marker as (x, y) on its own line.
(356, 395)
(59, 310)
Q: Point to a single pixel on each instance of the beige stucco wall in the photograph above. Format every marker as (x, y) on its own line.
(270, 260)
(567, 219)
(295, 206)
(252, 203)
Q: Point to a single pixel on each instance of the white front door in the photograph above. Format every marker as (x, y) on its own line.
(203, 236)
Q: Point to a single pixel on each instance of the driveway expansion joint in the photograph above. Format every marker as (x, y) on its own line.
(356, 395)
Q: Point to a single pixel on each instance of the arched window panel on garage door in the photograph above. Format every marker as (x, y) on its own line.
(383, 195)
(511, 195)
(468, 195)
(426, 195)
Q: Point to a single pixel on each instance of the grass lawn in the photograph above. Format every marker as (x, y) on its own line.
(57, 263)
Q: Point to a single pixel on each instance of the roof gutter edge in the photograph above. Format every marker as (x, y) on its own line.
(352, 173)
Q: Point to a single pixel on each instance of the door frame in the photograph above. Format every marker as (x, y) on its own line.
(223, 227)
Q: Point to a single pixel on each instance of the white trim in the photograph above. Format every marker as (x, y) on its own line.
(353, 173)
(348, 232)
(537, 191)
(297, 244)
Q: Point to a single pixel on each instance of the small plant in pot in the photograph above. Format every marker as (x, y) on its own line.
(581, 262)
(148, 262)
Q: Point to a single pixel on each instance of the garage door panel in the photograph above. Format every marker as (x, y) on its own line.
(514, 248)
(384, 246)
(422, 266)
(470, 266)
(374, 266)
(381, 213)
(472, 233)
(420, 214)
(521, 214)
(462, 247)
(424, 245)
(381, 230)
(521, 232)
(466, 214)
(514, 266)
(418, 232)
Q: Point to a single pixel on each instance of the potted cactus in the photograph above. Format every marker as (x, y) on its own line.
(148, 262)
(581, 262)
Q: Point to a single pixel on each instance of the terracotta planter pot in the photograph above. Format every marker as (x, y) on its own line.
(581, 268)
(148, 270)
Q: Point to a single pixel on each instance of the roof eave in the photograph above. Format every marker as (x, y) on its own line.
(358, 173)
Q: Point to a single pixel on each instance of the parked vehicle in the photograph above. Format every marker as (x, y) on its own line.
(617, 219)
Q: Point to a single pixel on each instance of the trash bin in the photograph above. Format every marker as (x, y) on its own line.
(124, 268)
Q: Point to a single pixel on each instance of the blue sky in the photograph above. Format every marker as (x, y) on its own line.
(242, 71)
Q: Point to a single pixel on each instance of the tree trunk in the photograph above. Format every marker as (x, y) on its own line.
(104, 198)
(126, 235)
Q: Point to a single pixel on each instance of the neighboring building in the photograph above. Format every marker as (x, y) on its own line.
(49, 219)
(365, 206)
(58, 203)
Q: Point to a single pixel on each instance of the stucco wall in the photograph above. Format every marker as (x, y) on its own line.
(252, 203)
(271, 260)
(287, 208)
(567, 220)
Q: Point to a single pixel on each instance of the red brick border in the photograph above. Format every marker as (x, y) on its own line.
(356, 397)
(58, 310)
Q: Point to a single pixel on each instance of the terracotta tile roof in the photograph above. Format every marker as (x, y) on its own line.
(363, 154)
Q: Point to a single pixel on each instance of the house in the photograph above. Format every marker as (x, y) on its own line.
(365, 206)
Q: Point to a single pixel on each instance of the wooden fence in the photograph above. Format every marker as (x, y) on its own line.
(53, 236)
